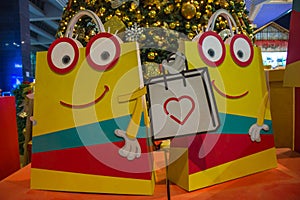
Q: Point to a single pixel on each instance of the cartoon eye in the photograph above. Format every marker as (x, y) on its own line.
(241, 50)
(211, 48)
(103, 51)
(63, 55)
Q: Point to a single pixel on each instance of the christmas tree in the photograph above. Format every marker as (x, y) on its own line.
(150, 22)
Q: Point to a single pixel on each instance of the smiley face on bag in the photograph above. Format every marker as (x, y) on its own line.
(235, 71)
(83, 84)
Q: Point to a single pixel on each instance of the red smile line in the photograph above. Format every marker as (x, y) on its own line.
(106, 89)
(226, 95)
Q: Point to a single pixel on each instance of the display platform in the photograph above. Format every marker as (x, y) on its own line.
(282, 182)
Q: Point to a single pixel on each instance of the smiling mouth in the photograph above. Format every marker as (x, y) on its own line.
(106, 89)
(227, 95)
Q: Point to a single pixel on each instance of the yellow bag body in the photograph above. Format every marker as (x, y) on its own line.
(82, 123)
(244, 143)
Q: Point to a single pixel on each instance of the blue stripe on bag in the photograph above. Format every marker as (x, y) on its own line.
(239, 124)
(91, 134)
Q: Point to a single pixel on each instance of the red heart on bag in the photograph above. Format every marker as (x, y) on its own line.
(176, 119)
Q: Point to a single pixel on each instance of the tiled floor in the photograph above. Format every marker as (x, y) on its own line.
(281, 183)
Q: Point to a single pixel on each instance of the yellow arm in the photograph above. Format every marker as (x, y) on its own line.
(140, 106)
(262, 110)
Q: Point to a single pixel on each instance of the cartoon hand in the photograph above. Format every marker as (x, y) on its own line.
(254, 131)
(131, 149)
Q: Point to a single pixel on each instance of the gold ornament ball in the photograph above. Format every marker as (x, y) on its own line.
(222, 24)
(87, 38)
(167, 10)
(151, 55)
(92, 33)
(191, 35)
(199, 27)
(187, 25)
(133, 5)
(188, 10)
(172, 25)
(198, 15)
(233, 29)
(194, 28)
(102, 10)
(152, 14)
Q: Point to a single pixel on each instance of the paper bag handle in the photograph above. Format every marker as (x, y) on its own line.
(212, 20)
(77, 16)
(224, 13)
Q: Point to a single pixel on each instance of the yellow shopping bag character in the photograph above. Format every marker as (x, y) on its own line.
(244, 143)
(91, 133)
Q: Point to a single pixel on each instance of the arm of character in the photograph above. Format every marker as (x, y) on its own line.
(132, 149)
(255, 129)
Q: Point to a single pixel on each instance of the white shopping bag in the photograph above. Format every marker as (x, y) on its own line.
(182, 104)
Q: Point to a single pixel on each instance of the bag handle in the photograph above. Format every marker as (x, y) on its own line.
(212, 21)
(77, 16)
(224, 13)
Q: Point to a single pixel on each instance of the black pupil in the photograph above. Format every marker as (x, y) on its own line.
(240, 54)
(105, 55)
(211, 52)
(66, 59)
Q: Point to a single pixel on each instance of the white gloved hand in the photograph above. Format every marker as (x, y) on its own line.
(254, 131)
(131, 149)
